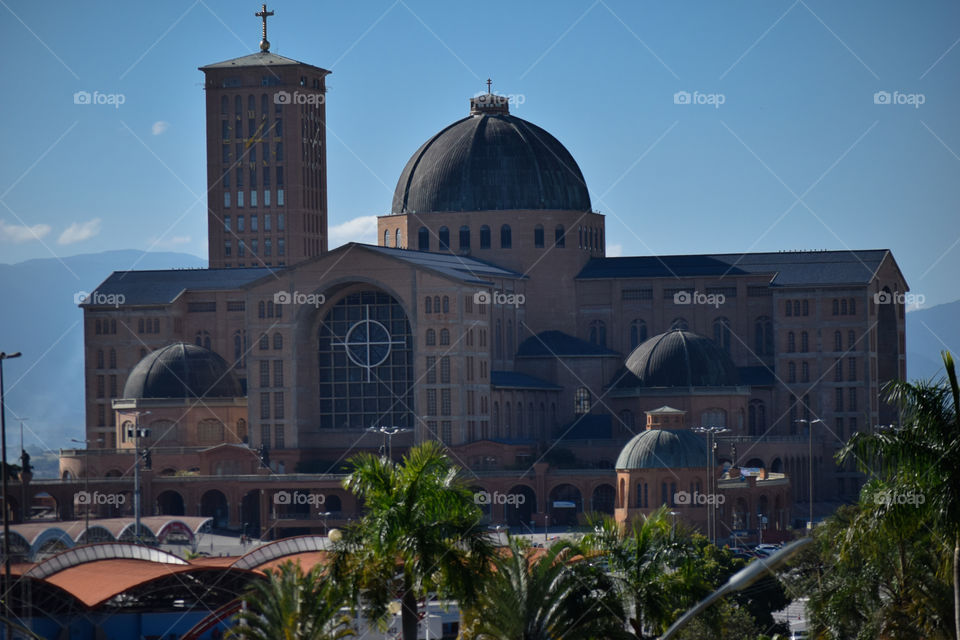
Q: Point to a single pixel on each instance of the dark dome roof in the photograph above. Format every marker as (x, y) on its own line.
(182, 371)
(491, 160)
(682, 359)
(662, 449)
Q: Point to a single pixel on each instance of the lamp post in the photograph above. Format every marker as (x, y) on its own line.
(86, 482)
(389, 431)
(711, 432)
(24, 511)
(136, 433)
(324, 515)
(6, 502)
(810, 424)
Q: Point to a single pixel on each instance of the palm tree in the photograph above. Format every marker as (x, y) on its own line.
(559, 594)
(922, 455)
(655, 565)
(292, 605)
(420, 534)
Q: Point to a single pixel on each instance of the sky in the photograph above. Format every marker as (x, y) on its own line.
(700, 127)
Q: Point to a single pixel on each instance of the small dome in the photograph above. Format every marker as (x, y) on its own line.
(182, 371)
(491, 161)
(663, 449)
(682, 359)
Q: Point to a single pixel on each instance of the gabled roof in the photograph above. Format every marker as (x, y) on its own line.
(517, 380)
(463, 268)
(165, 286)
(787, 268)
(558, 343)
(259, 59)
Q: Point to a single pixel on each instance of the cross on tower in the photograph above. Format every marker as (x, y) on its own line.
(489, 81)
(264, 14)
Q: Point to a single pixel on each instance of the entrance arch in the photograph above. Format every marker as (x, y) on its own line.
(170, 503)
(521, 512)
(213, 504)
(604, 499)
(564, 505)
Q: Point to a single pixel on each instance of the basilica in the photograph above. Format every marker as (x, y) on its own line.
(487, 317)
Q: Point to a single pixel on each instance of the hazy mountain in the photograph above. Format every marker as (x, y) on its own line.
(38, 316)
(930, 331)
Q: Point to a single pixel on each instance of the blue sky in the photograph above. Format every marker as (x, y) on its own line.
(797, 156)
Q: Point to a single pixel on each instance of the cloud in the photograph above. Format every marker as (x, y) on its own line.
(80, 231)
(362, 229)
(160, 127)
(18, 233)
(614, 250)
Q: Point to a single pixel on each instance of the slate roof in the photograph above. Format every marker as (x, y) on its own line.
(558, 343)
(788, 268)
(258, 59)
(663, 449)
(680, 359)
(165, 286)
(182, 371)
(517, 380)
(491, 161)
(464, 268)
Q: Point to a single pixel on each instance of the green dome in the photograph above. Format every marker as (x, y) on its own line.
(663, 449)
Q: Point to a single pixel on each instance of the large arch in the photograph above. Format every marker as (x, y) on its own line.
(250, 513)
(170, 503)
(213, 504)
(604, 499)
(564, 504)
(520, 512)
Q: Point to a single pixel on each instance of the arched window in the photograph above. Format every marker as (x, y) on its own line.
(721, 333)
(581, 401)
(262, 309)
(100, 360)
(444, 337)
(436, 304)
(851, 339)
(843, 307)
(484, 237)
(446, 304)
(791, 372)
(423, 239)
(496, 419)
(520, 432)
(443, 238)
(804, 342)
(757, 420)
(679, 323)
(510, 345)
(224, 104)
(796, 307)
(538, 236)
(836, 307)
(264, 342)
(506, 239)
(386, 238)
(277, 341)
(837, 341)
(804, 371)
(238, 348)
(113, 358)
(763, 336)
(428, 305)
(791, 342)
(498, 340)
(238, 105)
(638, 333)
(464, 238)
(202, 339)
(806, 307)
(559, 237)
(431, 337)
(397, 239)
(853, 306)
(598, 333)
(713, 418)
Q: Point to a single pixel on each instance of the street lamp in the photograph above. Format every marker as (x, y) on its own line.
(86, 481)
(711, 432)
(324, 515)
(136, 433)
(6, 502)
(810, 424)
(739, 581)
(389, 431)
(25, 459)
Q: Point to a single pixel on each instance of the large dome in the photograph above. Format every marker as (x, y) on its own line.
(490, 161)
(682, 359)
(182, 371)
(663, 449)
